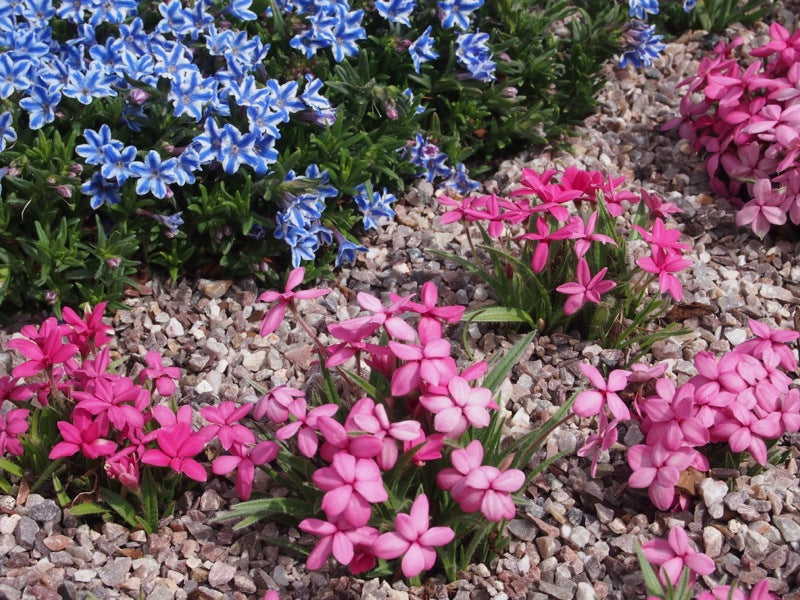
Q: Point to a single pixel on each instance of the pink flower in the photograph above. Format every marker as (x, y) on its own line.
(271, 595)
(338, 439)
(428, 362)
(774, 339)
(427, 447)
(664, 263)
(658, 469)
(372, 418)
(464, 406)
(124, 467)
(672, 417)
(464, 460)
(657, 207)
(488, 489)
(591, 402)
(244, 459)
(743, 430)
(584, 235)
(277, 313)
(44, 348)
(764, 210)
(674, 554)
(177, 447)
(350, 484)
(306, 425)
(119, 398)
(11, 389)
(83, 436)
(14, 424)
(587, 288)
(428, 309)
(337, 538)
(605, 437)
(223, 419)
(162, 375)
(544, 238)
(276, 403)
(662, 237)
(413, 539)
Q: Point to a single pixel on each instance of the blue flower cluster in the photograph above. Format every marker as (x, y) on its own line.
(642, 44)
(427, 155)
(473, 52)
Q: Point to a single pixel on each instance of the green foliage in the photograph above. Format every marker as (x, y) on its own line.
(655, 589)
(713, 16)
(56, 250)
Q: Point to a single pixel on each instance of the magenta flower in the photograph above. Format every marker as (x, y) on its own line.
(462, 407)
(591, 402)
(178, 445)
(223, 419)
(350, 484)
(428, 447)
(488, 489)
(83, 435)
(372, 418)
(14, 424)
(661, 237)
(664, 263)
(584, 234)
(44, 348)
(124, 467)
(277, 313)
(11, 389)
(586, 289)
(428, 309)
(674, 554)
(88, 333)
(118, 397)
(544, 238)
(305, 426)
(162, 375)
(244, 459)
(337, 538)
(656, 206)
(338, 439)
(276, 403)
(658, 469)
(413, 539)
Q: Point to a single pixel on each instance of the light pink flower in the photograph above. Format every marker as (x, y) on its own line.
(413, 539)
(605, 437)
(371, 418)
(674, 554)
(743, 430)
(337, 538)
(305, 425)
(277, 313)
(591, 402)
(428, 362)
(776, 340)
(428, 309)
(586, 289)
(462, 407)
(351, 485)
(764, 210)
(488, 489)
(338, 439)
(427, 447)
(464, 460)
(658, 469)
(275, 404)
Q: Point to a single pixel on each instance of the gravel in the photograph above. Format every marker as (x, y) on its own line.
(574, 537)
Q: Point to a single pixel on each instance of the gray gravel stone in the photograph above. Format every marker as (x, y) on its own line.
(26, 531)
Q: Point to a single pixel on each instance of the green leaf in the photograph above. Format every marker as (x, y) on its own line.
(87, 508)
(252, 511)
(149, 498)
(499, 314)
(497, 375)
(651, 581)
(10, 467)
(121, 506)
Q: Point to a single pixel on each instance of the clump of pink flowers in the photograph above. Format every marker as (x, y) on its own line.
(746, 118)
(742, 399)
(558, 246)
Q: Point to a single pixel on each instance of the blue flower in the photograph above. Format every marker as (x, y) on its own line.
(640, 8)
(40, 104)
(171, 57)
(38, 12)
(642, 47)
(459, 180)
(134, 37)
(84, 87)
(198, 18)
(13, 75)
(262, 118)
(240, 9)
(472, 52)
(283, 98)
(311, 96)
(347, 32)
(237, 149)
(347, 252)
(396, 11)
(303, 209)
(174, 19)
(188, 163)
(190, 93)
(7, 133)
(247, 93)
(93, 151)
(428, 156)
(374, 208)
(457, 12)
(111, 12)
(171, 222)
(688, 5)
(117, 162)
(154, 175)
(421, 49)
(101, 190)
(208, 144)
(73, 11)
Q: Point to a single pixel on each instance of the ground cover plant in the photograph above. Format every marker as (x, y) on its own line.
(744, 115)
(244, 136)
(555, 254)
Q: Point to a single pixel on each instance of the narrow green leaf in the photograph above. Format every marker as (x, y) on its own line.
(10, 467)
(499, 314)
(651, 581)
(495, 377)
(87, 508)
(121, 506)
(149, 497)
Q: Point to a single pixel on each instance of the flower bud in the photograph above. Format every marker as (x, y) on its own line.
(138, 96)
(113, 262)
(391, 113)
(65, 191)
(510, 92)
(51, 297)
(75, 170)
